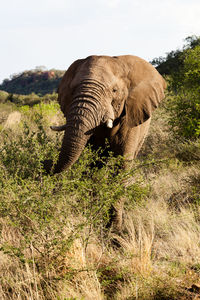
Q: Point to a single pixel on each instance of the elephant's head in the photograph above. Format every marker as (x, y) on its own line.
(97, 90)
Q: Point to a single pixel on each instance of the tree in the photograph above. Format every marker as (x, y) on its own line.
(174, 60)
(185, 104)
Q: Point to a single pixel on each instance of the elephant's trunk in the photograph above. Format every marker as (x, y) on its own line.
(83, 117)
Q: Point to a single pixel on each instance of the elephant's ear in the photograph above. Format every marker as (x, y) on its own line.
(64, 89)
(143, 99)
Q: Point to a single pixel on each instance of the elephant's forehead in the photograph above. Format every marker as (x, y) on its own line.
(102, 68)
(106, 64)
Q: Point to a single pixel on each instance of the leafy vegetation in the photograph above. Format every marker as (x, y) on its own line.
(54, 240)
(173, 62)
(184, 116)
(185, 101)
(182, 70)
(29, 100)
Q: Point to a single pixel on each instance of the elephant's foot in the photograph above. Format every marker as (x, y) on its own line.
(115, 223)
(116, 217)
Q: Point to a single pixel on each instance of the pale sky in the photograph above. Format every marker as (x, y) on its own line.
(54, 33)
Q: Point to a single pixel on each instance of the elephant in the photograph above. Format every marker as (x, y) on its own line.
(106, 98)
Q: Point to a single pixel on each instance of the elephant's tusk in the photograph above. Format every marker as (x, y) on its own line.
(109, 123)
(58, 128)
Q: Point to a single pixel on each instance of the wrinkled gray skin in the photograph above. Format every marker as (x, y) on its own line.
(107, 97)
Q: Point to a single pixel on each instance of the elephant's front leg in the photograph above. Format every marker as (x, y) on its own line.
(131, 141)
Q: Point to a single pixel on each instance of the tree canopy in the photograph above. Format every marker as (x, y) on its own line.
(174, 60)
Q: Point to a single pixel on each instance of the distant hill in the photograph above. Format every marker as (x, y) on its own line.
(36, 81)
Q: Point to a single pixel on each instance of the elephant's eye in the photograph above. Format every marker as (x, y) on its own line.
(114, 90)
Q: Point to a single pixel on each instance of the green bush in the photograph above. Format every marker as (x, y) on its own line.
(30, 100)
(41, 206)
(39, 111)
(15, 150)
(191, 70)
(184, 105)
(184, 118)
